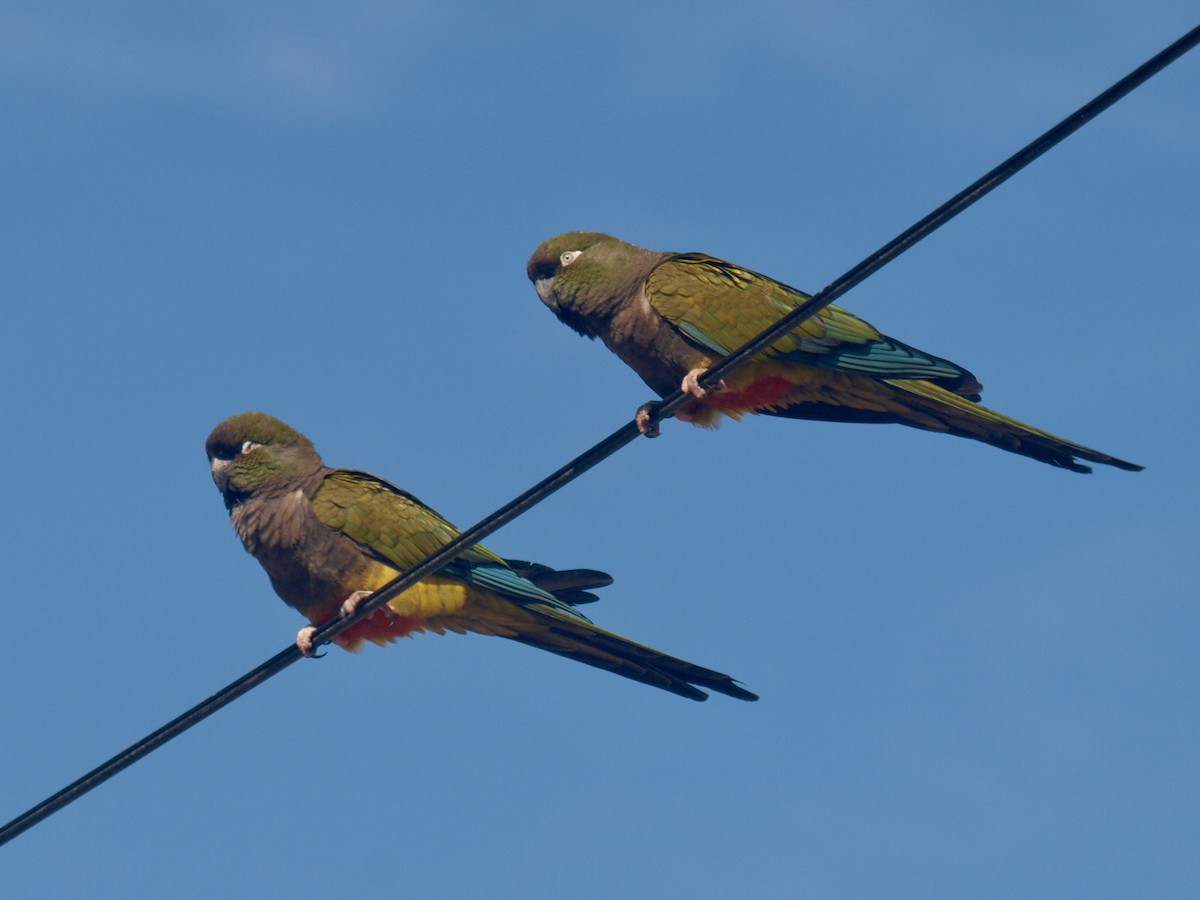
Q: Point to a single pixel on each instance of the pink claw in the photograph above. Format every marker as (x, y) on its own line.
(691, 384)
(644, 423)
(304, 642)
(354, 601)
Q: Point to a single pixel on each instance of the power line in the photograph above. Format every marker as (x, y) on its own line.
(614, 442)
(939, 216)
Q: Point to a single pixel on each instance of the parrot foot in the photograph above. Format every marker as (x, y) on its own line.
(642, 418)
(304, 637)
(691, 384)
(355, 600)
(304, 641)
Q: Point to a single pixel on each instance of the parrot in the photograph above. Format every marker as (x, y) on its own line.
(671, 316)
(328, 538)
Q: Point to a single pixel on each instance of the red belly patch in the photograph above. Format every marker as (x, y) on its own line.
(378, 627)
(767, 391)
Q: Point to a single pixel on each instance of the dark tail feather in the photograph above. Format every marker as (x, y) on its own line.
(571, 586)
(952, 413)
(921, 404)
(585, 643)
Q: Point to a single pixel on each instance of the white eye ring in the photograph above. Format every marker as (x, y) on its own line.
(247, 446)
(569, 257)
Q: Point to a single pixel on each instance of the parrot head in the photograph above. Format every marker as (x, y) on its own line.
(252, 452)
(585, 273)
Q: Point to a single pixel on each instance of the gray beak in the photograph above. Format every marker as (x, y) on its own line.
(545, 290)
(219, 475)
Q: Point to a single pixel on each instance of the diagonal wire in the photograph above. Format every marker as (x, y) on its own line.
(614, 442)
(939, 217)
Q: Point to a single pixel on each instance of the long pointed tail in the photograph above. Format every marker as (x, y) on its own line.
(586, 643)
(931, 407)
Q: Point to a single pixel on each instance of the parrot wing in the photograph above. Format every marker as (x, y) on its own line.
(719, 306)
(395, 527)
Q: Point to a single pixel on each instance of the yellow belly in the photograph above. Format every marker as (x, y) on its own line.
(434, 597)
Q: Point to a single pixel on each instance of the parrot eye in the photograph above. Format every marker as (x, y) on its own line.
(569, 257)
(247, 446)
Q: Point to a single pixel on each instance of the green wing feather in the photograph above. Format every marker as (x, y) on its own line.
(397, 528)
(385, 519)
(721, 306)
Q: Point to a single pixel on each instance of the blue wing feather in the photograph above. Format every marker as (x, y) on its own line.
(508, 583)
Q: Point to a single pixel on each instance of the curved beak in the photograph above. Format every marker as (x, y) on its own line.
(545, 290)
(220, 475)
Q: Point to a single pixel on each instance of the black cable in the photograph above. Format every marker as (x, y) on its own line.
(937, 218)
(132, 754)
(325, 633)
(610, 444)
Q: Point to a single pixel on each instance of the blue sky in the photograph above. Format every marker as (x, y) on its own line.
(977, 672)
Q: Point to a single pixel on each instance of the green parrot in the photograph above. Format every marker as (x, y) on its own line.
(329, 537)
(671, 316)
